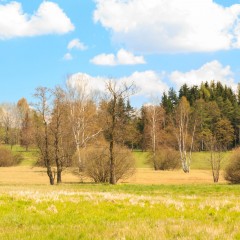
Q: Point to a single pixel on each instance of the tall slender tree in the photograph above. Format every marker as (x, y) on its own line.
(114, 123)
(42, 95)
(184, 134)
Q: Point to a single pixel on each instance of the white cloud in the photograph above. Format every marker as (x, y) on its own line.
(67, 57)
(48, 19)
(91, 83)
(148, 83)
(75, 43)
(104, 59)
(123, 57)
(158, 26)
(127, 58)
(210, 71)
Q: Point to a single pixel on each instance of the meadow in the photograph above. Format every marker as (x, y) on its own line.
(92, 211)
(149, 205)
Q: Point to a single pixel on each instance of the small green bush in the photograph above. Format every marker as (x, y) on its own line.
(232, 171)
(7, 158)
(165, 159)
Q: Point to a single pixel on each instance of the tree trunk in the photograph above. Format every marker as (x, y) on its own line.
(80, 163)
(112, 164)
(50, 175)
(59, 175)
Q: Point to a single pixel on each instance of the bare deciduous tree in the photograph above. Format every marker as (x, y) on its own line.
(11, 122)
(114, 123)
(154, 118)
(184, 131)
(42, 107)
(82, 114)
(26, 129)
(58, 126)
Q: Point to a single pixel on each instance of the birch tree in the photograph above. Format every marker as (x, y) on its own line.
(82, 114)
(154, 117)
(184, 131)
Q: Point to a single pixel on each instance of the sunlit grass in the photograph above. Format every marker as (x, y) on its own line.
(30, 157)
(120, 212)
(141, 159)
(200, 160)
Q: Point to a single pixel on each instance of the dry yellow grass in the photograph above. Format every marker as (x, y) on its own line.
(37, 175)
(149, 176)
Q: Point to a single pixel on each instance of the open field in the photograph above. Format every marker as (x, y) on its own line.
(149, 205)
(36, 175)
(28, 173)
(200, 160)
(119, 212)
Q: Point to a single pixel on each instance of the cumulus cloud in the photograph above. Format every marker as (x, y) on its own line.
(104, 59)
(210, 71)
(67, 57)
(148, 83)
(123, 57)
(48, 19)
(159, 26)
(76, 44)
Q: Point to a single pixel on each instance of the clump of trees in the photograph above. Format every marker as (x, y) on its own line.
(70, 121)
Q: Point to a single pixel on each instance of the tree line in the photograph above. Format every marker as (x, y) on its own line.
(74, 126)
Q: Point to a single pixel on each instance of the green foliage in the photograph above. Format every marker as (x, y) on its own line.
(211, 102)
(169, 101)
(224, 133)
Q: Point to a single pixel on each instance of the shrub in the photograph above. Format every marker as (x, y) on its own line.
(165, 159)
(232, 171)
(7, 158)
(97, 165)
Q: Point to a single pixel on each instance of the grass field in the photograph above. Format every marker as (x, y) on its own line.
(28, 173)
(120, 212)
(200, 160)
(149, 205)
(29, 157)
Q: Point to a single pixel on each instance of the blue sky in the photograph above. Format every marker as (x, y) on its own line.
(157, 44)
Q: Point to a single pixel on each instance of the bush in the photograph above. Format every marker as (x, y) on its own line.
(232, 171)
(165, 159)
(97, 165)
(7, 158)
